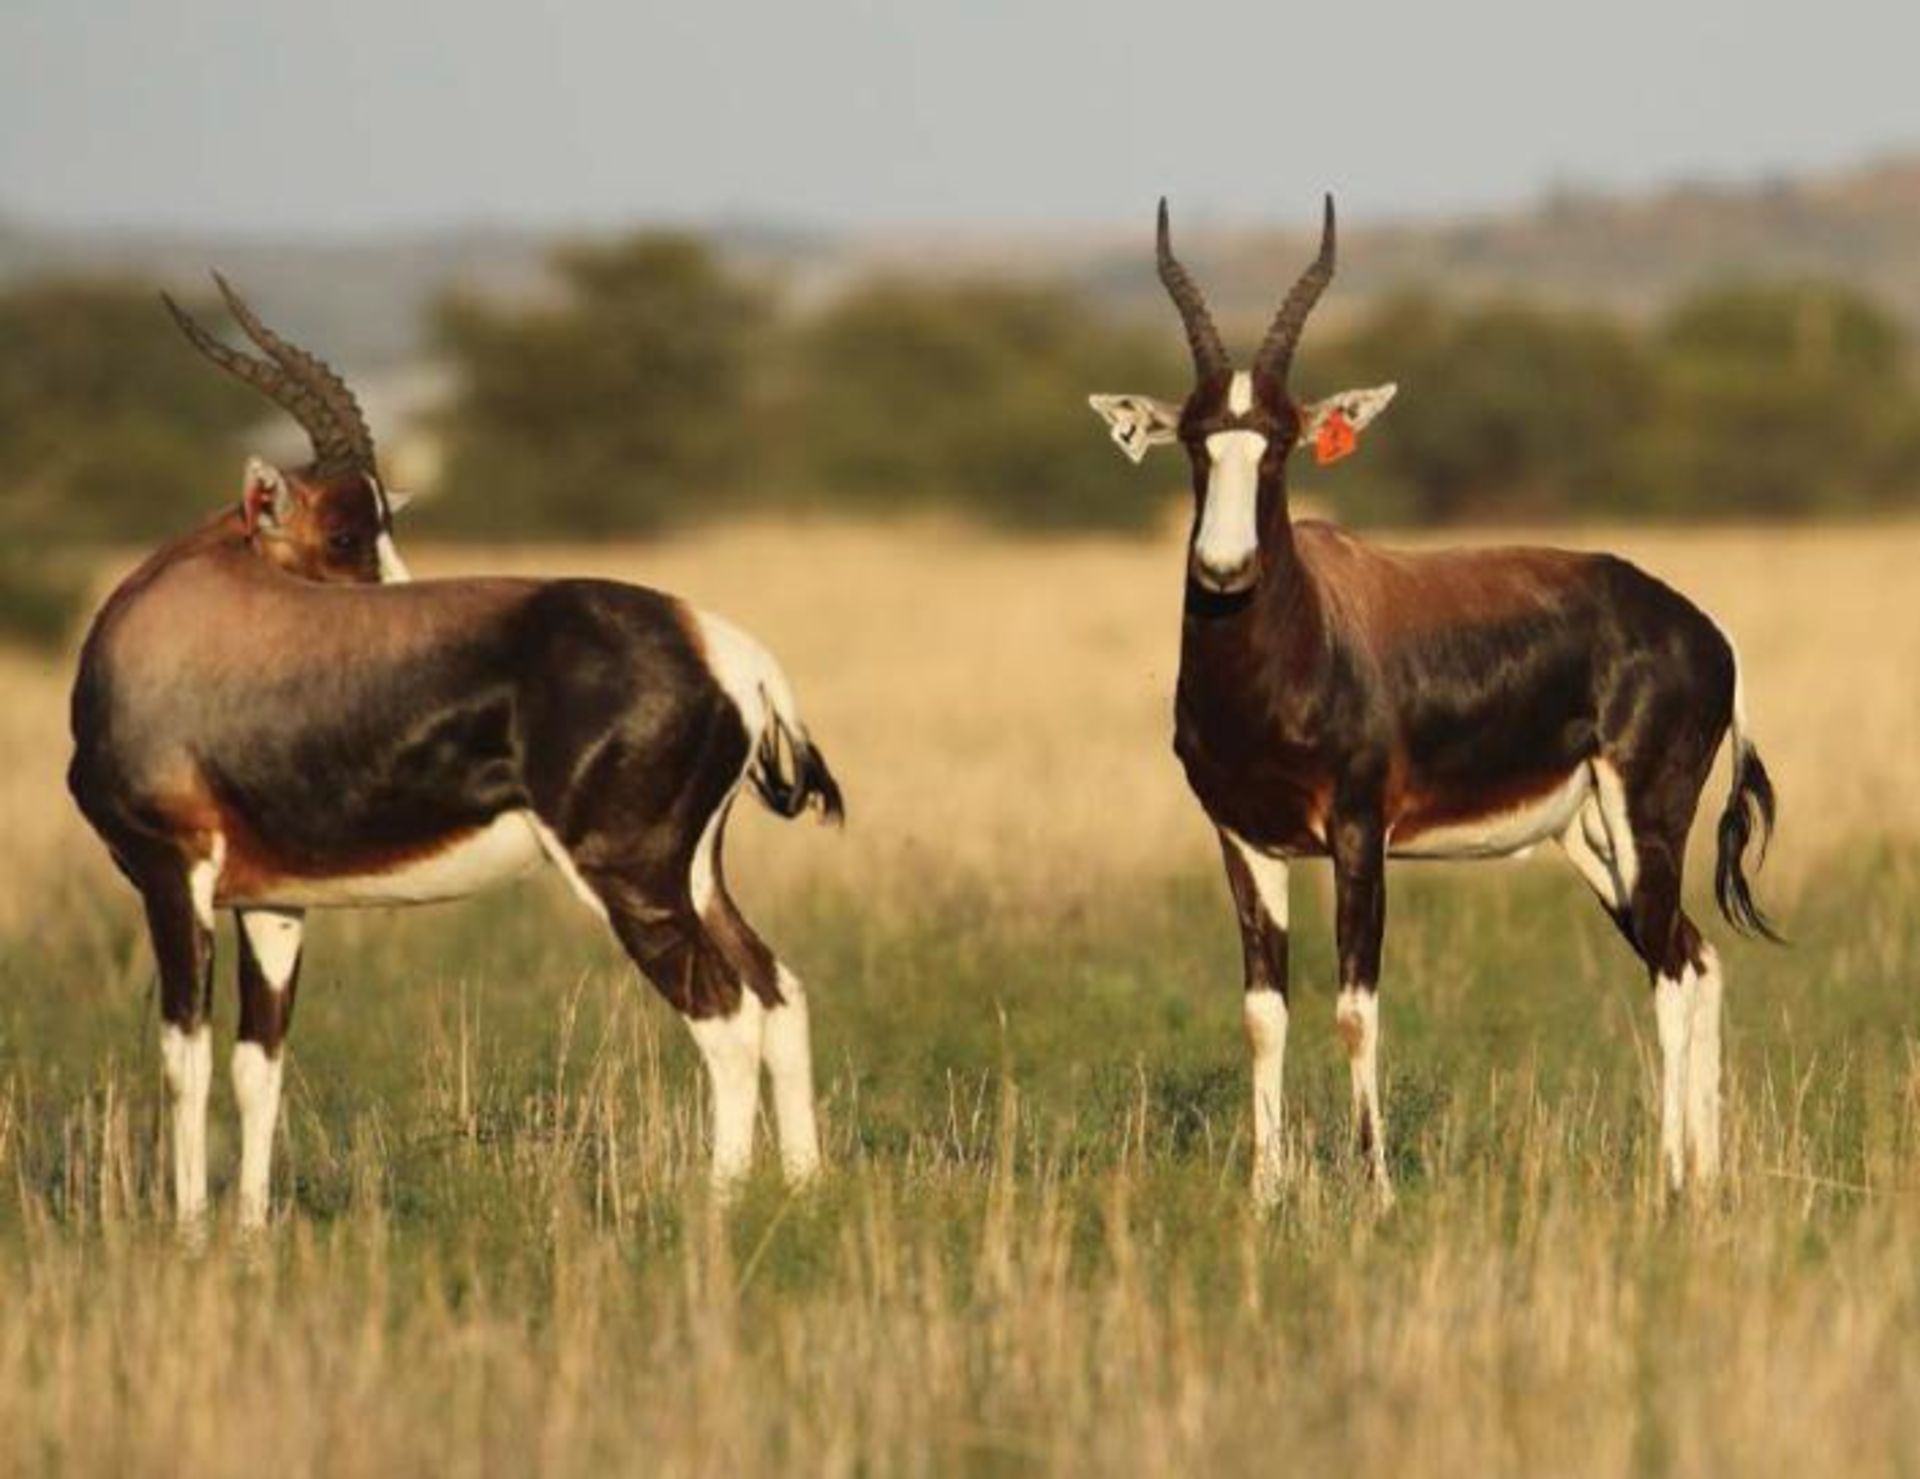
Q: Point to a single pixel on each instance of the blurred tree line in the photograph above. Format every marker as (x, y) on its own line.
(664, 388)
(659, 385)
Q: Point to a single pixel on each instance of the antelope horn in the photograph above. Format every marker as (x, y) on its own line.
(1209, 354)
(269, 379)
(341, 440)
(1275, 355)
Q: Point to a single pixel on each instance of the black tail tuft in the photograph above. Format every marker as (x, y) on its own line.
(1752, 800)
(791, 774)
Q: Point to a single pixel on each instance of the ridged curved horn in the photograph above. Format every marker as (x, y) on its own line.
(1275, 355)
(269, 379)
(1209, 354)
(346, 443)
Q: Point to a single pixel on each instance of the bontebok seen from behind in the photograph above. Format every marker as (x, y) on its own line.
(269, 718)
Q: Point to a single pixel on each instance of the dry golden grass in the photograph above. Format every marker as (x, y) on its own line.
(1034, 1253)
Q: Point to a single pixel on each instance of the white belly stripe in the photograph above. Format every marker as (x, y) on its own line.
(1501, 834)
(506, 848)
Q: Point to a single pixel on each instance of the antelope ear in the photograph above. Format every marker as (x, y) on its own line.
(266, 499)
(397, 498)
(1356, 407)
(1137, 422)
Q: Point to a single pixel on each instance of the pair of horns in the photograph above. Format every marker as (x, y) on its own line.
(300, 383)
(1275, 355)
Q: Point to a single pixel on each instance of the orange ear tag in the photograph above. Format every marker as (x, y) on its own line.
(1335, 439)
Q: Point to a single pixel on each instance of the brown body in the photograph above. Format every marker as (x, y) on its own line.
(1341, 700)
(268, 716)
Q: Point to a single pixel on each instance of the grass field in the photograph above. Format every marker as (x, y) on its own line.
(492, 1251)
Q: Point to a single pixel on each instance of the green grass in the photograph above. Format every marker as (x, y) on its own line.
(493, 1251)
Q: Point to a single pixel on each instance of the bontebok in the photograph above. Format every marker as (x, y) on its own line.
(1344, 701)
(269, 718)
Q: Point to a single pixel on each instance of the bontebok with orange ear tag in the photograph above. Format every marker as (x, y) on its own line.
(1341, 700)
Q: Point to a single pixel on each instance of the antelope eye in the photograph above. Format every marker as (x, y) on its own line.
(342, 544)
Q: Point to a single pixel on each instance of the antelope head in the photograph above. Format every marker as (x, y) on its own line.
(1239, 426)
(331, 519)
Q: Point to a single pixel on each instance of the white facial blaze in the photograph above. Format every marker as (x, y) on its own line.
(1230, 522)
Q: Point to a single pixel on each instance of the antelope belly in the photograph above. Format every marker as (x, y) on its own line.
(1501, 833)
(506, 848)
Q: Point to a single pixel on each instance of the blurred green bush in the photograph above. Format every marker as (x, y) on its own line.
(110, 427)
(620, 408)
(660, 384)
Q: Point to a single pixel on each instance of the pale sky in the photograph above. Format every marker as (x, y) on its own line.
(351, 115)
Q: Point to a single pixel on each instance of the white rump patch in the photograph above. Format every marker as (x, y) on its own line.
(746, 672)
(1230, 523)
(1501, 834)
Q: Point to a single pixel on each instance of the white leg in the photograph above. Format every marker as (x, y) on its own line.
(1673, 1013)
(270, 954)
(789, 1053)
(186, 1060)
(1357, 1016)
(1265, 1013)
(1703, 1071)
(256, 1087)
(732, 1048)
(1264, 913)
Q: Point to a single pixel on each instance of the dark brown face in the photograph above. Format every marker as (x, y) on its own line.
(1238, 432)
(336, 531)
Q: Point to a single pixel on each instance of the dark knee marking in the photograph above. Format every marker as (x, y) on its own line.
(674, 951)
(266, 1011)
(1264, 943)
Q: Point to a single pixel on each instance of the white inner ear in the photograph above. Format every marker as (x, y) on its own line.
(1359, 406)
(1136, 422)
(261, 473)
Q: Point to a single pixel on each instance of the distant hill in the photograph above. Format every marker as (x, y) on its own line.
(364, 299)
